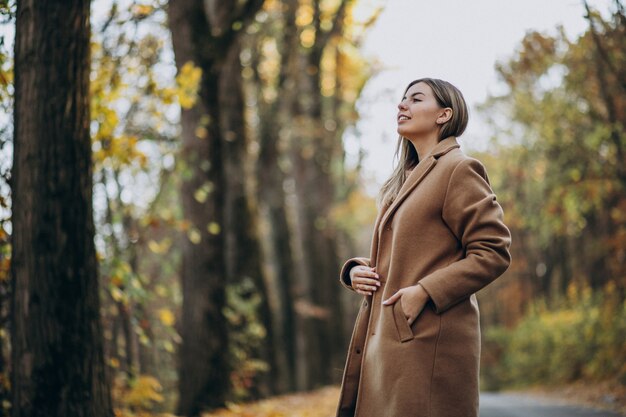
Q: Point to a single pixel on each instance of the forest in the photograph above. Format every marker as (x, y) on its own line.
(176, 201)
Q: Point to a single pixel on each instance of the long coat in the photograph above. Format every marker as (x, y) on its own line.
(445, 231)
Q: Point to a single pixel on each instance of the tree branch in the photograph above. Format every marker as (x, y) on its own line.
(322, 38)
(601, 51)
(240, 21)
(607, 96)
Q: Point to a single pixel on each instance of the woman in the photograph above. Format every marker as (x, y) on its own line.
(439, 237)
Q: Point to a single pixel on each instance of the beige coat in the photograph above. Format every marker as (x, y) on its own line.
(445, 231)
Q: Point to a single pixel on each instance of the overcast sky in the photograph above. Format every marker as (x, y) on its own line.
(456, 40)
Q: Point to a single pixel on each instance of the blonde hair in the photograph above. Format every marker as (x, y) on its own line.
(446, 95)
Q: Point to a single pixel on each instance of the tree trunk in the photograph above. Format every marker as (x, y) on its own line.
(272, 201)
(203, 365)
(243, 251)
(57, 348)
(203, 32)
(313, 150)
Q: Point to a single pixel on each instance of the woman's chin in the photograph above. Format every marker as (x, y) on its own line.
(402, 131)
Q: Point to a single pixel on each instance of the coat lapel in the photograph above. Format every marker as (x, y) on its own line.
(417, 175)
(374, 245)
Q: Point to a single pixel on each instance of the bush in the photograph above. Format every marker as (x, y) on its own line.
(583, 338)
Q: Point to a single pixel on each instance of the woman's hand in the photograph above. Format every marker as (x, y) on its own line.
(412, 299)
(364, 279)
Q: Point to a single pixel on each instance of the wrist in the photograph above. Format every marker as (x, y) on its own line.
(422, 292)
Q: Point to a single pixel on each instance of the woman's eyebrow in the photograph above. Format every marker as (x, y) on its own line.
(414, 94)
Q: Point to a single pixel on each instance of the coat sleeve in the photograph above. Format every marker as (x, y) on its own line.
(474, 216)
(344, 275)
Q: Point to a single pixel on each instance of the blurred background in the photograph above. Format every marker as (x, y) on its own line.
(237, 148)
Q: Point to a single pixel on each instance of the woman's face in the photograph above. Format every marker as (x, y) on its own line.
(419, 114)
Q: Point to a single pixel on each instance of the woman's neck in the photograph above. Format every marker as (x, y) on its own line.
(423, 146)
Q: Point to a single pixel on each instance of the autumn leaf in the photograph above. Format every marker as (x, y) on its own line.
(167, 317)
(188, 81)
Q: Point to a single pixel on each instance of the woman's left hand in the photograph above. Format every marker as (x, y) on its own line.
(412, 299)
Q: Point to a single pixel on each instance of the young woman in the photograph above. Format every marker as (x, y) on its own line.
(439, 237)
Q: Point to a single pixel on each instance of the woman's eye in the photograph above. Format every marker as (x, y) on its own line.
(416, 99)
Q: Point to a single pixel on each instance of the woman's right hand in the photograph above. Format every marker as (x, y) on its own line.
(364, 279)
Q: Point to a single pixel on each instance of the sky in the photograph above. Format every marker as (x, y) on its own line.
(459, 41)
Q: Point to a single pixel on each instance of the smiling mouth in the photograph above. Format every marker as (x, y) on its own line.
(403, 118)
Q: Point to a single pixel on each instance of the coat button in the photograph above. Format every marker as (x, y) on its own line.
(358, 351)
(365, 304)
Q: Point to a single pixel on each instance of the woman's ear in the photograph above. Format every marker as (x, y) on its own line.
(444, 116)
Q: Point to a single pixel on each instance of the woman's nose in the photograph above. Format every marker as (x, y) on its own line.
(401, 105)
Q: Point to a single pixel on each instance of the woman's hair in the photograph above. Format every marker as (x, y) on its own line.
(446, 95)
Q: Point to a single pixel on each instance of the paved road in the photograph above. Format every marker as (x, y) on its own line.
(511, 405)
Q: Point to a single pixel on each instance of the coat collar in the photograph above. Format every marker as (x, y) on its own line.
(444, 146)
(418, 174)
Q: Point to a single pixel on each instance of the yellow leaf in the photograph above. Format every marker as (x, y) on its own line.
(214, 228)
(307, 37)
(166, 317)
(154, 246)
(117, 294)
(188, 82)
(304, 15)
(194, 236)
(144, 392)
(200, 195)
(160, 248)
(160, 290)
(202, 132)
(168, 346)
(142, 10)
(116, 280)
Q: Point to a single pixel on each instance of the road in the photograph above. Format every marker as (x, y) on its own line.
(511, 405)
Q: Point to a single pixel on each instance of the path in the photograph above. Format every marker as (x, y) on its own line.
(512, 405)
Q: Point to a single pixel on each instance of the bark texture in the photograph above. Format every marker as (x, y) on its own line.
(57, 353)
(203, 369)
(243, 252)
(204, 32)
(271, 175)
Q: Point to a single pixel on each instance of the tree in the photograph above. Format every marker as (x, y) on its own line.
(561, 167)
(306, 74)
(57, 357)
(203, 34)
(313, 150)
(243, 251)
(271, 176)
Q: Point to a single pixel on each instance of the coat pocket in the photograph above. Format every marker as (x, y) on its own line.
(402, 326)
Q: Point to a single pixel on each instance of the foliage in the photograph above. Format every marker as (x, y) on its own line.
(139, 394)
(355, 211)
(247, 335)
(319, 403)
(303, 73)
(582, 339)
(559, 141)
(135, 106)
(136, 97)
(136, 101)
(557, 165)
